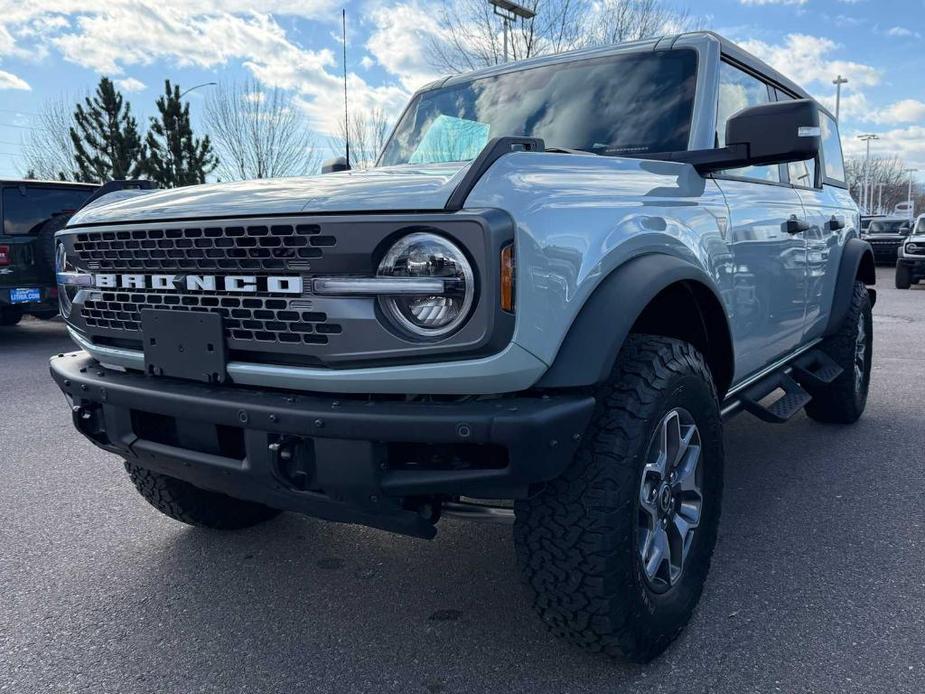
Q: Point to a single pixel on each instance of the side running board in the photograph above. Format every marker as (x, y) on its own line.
(797, 380)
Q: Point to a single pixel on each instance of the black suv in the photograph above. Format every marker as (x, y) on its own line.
(885, 235)
(31, 213)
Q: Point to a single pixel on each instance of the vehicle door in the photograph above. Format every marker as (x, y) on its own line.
(832, 217)
(766, 220)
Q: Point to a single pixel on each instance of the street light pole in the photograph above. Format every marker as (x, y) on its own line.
(509, 12)
(838, 82)
(204, 84)
(909, 196)
(867, 196)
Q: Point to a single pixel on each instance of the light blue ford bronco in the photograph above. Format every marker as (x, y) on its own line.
(559, 279)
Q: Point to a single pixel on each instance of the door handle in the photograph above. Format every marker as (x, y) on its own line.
(795, 226)
(835, 223)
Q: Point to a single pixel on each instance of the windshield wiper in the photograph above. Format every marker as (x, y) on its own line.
(566, 150)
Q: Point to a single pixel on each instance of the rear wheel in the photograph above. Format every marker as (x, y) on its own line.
(616, 551)
(903, 279)
(194, 506)
(843, 400)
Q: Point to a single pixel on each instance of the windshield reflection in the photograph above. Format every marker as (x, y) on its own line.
(618, 105)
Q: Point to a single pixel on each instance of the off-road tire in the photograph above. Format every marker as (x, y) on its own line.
(10, 316)
(841, 401)
(576, 537)
(45, 240)
(194, 506)
(903, 281)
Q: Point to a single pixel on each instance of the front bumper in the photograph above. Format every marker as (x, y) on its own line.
(915, 266)
(885, 251)
(382, 463)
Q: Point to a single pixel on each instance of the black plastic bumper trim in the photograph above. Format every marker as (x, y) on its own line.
(540, 435)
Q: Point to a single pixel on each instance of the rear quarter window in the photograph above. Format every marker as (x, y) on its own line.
(26, 208)
(831, 150)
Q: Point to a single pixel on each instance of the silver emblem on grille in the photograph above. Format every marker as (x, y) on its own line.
(276, 284)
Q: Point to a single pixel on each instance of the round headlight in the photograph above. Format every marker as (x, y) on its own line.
(428, 256)
(912, 248)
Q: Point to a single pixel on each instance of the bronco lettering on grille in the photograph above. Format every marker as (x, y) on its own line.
(201, 283)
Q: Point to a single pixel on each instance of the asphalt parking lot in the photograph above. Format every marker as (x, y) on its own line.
(818, 582)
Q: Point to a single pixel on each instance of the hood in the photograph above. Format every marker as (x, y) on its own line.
(410, 187)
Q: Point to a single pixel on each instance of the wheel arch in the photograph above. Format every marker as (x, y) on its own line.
(857, 264)
(656, 294)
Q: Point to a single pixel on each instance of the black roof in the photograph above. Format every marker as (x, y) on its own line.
(47, 184)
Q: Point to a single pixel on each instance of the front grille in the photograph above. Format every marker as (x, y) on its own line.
(264, 321)
(246, 318)
(201, 247)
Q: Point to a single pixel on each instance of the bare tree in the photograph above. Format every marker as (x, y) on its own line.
(368, 133)
(49, 150)
(259, 133)
(471, 35)
(886, 171)
(617, 21)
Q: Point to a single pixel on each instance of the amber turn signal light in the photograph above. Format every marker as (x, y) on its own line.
(507, 278)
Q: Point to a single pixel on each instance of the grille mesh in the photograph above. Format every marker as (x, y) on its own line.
(246, 318)
(232, 247)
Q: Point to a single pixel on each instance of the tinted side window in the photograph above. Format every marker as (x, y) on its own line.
(800, 173)
(803, 173)
(831, 149)
(738, 90)
(26, 207)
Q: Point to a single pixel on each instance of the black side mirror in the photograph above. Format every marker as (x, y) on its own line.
(776, 133)
(334, 165)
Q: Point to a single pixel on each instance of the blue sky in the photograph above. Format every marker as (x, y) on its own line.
(49, 49)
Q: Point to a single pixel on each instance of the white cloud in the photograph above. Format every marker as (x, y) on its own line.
(130, 84)
(399, 41)
(10, 81)
(902, 32)
(905, 111)
(367, 62)
(854, 105)
(773, 2)
(807, 60)
(110, 36)
(908, 143)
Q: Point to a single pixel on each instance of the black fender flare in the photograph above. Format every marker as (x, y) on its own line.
(591, 346)
(857, 263)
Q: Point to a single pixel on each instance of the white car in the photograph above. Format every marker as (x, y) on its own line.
(910, 260)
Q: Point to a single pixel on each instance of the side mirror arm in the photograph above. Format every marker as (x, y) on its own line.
(707, 160)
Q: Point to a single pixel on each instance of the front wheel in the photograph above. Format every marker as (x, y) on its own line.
(615, 552)
(903, 280)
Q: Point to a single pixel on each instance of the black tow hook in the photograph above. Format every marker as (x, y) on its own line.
(293, 458)
(88, 421)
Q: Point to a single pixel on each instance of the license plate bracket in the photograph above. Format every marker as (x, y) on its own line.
(185, 344)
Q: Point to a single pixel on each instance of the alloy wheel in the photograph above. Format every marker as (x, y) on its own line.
(670, 499)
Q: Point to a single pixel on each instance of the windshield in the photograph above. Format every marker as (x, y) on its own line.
(618, 105)
(919, 227)
(889, 226)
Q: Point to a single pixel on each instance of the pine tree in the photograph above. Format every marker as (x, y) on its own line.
(107, 145)
(173, 156)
